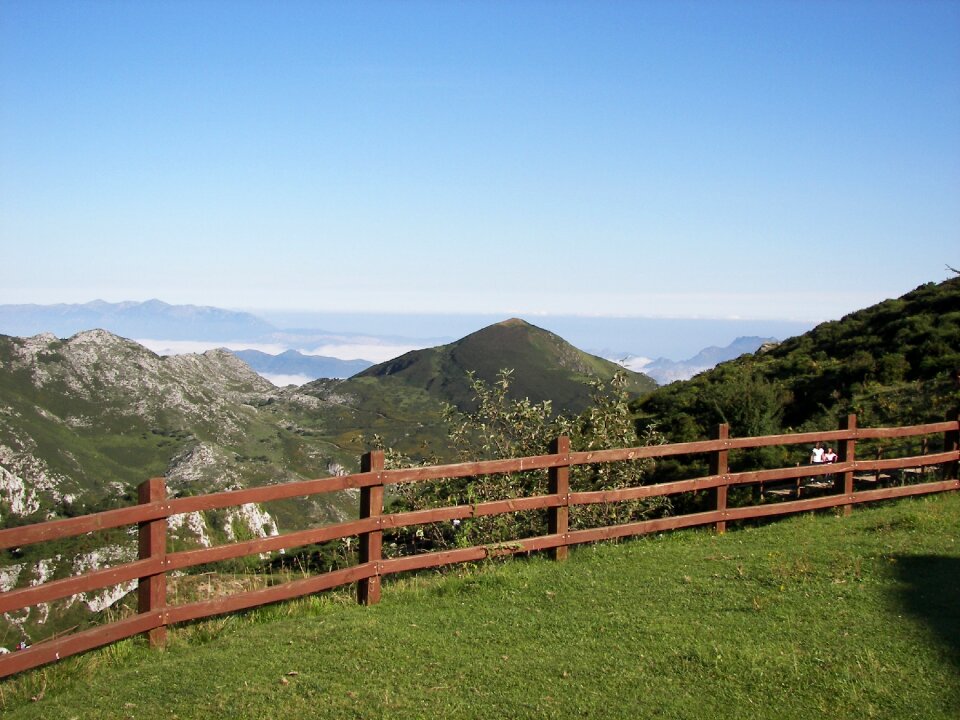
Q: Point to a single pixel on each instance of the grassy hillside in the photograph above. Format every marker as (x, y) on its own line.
(355, 410)
(545, 366)
(814, 616)
(897, 362)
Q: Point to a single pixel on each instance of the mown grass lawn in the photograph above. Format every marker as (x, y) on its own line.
(814, 616)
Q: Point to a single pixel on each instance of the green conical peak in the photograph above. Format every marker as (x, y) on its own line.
(513, 322)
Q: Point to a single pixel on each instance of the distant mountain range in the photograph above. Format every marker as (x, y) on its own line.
(293, 363)
(172, 329)
(666, 371)
(132, 319)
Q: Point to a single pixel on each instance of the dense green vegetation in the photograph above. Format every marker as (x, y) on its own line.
(894, 363)
(814, 616)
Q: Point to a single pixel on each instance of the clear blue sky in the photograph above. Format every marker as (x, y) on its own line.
(755, 159)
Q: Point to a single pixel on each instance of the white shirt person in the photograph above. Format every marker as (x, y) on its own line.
(816, 455)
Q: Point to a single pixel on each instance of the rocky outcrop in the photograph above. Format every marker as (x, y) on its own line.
(85, 420)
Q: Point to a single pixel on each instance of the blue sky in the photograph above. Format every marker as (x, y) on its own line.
(772, 159)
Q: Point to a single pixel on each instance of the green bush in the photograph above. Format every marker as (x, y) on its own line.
(503, 427)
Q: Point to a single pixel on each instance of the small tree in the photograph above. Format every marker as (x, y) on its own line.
(609, 423)
(504, 427)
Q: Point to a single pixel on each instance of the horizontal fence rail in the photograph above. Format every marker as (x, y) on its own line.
(154, 510)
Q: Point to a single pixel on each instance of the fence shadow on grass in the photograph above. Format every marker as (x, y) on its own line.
(932, 594)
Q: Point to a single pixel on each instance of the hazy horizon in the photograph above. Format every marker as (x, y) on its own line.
(673, 338)
(381, 336)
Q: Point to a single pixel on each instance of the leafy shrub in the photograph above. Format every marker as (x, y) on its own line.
(503, 427)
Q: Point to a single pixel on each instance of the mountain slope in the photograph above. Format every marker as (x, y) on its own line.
(896, 362)
(545, 366)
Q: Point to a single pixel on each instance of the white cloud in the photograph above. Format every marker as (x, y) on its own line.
(284, 380)
(373, 352)
(182, 347)
(632, 362)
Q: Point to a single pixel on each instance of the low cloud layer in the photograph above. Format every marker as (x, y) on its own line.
(372, 352)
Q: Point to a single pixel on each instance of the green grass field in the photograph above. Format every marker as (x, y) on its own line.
(814, 616)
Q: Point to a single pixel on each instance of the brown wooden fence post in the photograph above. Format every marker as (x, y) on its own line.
(719, 466)
(152, 543)
(371, 543)
(848, 454)
(951, 443)
(558, 518)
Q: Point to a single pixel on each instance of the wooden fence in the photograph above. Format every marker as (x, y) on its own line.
(155, 508)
